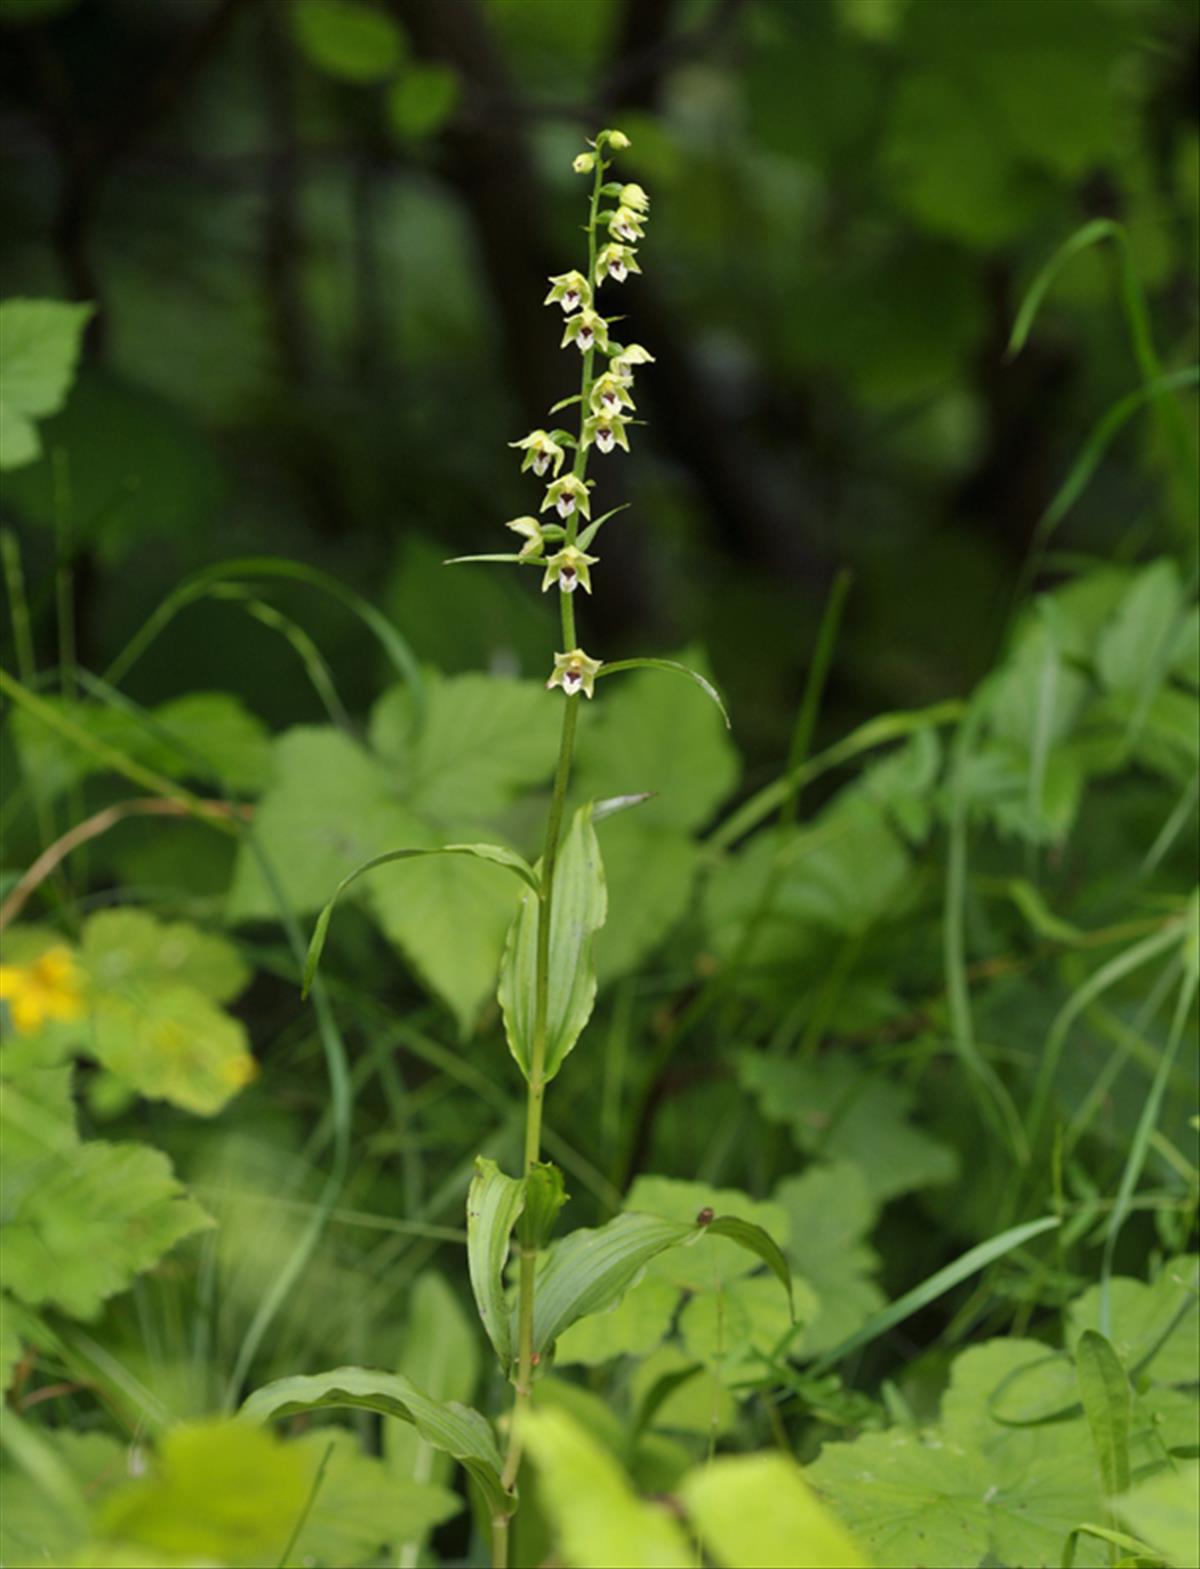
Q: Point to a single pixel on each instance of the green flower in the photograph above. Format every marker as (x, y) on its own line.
(616, 262)
(622, 363)
(607, 431)
(635, 198)
(575, 672)
(540, 451)
(610, 394)
(625, 225)
(531, 531)
(570, 290)
(584, 163)
(569, 569)
(567, 493)
(586, 331)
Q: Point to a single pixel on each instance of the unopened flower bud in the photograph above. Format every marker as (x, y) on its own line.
(531, 531)
(566, 494)
(618, 140)
(575, 672)
(633, 196)
(584, 163)
(621, 365)
(569, 569)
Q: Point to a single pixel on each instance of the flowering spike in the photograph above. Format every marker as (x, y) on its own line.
(575, 672)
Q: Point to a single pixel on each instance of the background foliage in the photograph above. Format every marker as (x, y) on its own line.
(281, 264)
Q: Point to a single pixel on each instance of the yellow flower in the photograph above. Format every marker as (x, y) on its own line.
(49, 988)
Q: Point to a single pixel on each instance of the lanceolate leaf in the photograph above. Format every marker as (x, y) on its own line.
(579, 906)
(590, 1271)
(755, 1240)
(705, 686)
(494, 1202)
(496, 853)
(1107, 1403)
(458, 1430)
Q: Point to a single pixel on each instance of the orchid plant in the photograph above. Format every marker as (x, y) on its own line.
(547, 984)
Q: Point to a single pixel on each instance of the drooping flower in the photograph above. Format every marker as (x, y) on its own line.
(584, 163)
(626, 225)
(570, 290)
(49, 988)
(610, 394)
(566, 494)
(569, 569)
(575, 672)
(616, 262)
(531, 531)
(634, 197)
(621, 365)
(607, 431)
(586, 331)
(541, 451)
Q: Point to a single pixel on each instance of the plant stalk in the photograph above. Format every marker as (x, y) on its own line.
(536, 1092)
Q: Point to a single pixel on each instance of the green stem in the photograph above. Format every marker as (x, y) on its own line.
(536, 1093)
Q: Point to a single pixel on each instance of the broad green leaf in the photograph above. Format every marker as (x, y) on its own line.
(123, 948)
(839, 1110)
(1107, 1400)
(494, 1203)
(171, 1043)
(652, 734)
(698, 1403)
(205, 736)
(359, 1506)
(332, 807)
(497, 854)
(754, 1239)
(650, 869)
(631, 1327)
(34, 1524)
(482, 741)
(423, 99)
(441, 1348)
(830, 1213)
(1152, 1328)
(970, 1487)
(596, 1515)
(40, 342)
(545, 1195)
(579, 907)
(589, 1271)
(1136, 646)
(349, 39)
(1166, 1511)
(458, 1430)
(217, 1491)
(758, 1512)
(735, 1324)
(82, 1223)
(713, 1259)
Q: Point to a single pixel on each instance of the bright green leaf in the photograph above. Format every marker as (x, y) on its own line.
(758, 1512)
(494, 1204)
(39, 343)
(1166, 1511)
(349, 39)
(1107, 1400)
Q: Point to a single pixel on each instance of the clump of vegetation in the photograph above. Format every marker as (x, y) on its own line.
(911, 1283)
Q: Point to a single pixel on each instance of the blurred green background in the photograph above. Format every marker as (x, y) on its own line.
(318, 231)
